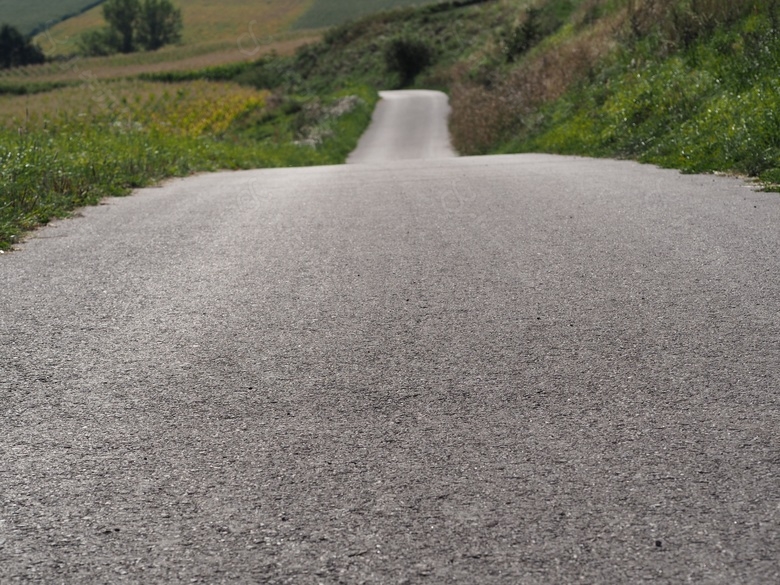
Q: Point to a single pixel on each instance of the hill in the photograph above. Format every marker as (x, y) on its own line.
(230, 22)
(31, 15)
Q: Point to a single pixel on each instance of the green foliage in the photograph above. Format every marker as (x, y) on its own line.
(31, 87)
(407, 57)
(355, 53)
(159, 23)
(98, 43)
(122, 18)
(538, 23)
(16, 50)
(227, 72)
(522, 37)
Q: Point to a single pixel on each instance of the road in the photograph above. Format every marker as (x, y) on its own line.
(506, 369)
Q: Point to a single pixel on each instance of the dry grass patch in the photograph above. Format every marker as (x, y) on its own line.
(483, 115)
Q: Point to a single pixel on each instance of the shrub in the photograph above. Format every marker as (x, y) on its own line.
(407, 57)
(98, 43)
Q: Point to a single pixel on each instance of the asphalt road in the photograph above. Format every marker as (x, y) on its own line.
(511, 369)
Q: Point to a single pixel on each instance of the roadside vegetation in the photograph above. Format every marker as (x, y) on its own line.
(688, 84)
(73, 146)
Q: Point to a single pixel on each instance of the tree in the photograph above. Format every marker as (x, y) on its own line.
(16, 50)
(121, 16)
(148, 24)
(159, 23)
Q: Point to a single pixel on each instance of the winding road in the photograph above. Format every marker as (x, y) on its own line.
(414, 368)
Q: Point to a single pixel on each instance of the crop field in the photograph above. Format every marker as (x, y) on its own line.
(72, 146)
(324, 13)
(175, 58)
(206, 23)
(26, 15)
(188, 109)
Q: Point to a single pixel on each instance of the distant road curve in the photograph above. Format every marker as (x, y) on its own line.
(407, 125)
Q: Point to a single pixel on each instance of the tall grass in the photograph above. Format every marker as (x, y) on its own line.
(713, 106)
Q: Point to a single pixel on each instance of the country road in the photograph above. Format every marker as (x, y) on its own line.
(414, 368)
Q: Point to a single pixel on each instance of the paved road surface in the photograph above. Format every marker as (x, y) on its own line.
(407, 125)
(515, 369)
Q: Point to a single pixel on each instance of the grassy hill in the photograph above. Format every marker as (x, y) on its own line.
(28, 15)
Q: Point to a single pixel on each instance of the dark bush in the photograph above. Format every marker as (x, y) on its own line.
(16, 50)
(407, 57)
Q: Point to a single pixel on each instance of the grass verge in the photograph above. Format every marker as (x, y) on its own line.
(686, 84)
(54, 164)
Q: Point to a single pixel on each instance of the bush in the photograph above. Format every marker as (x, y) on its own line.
(98, 43)
(407, 57)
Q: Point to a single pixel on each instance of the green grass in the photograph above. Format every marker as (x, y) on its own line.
(325, 13)
(714, 105)
(31, 15)
(51, 170)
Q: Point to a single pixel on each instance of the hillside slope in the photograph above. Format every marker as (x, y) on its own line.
(30, 15)
(689, 84)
